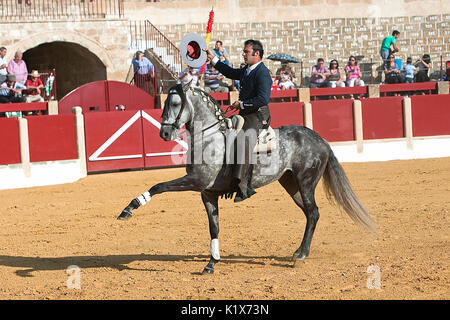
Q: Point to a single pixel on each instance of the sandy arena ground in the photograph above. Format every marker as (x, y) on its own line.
(160, 252)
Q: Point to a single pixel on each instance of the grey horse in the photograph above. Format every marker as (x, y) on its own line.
(301, 158)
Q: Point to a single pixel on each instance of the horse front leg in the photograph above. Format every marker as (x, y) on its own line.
(210, 200)
(186, 183)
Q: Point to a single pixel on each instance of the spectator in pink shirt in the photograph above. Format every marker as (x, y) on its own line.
(353, 73)
(18, 67)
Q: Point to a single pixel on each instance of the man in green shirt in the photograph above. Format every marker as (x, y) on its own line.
(386, 45)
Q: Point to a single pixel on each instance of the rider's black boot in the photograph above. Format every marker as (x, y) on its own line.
(243, 190)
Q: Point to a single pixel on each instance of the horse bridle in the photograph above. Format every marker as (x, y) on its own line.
(180, 92)
(175, 124)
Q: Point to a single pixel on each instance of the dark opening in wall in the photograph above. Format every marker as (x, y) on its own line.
(75, 65)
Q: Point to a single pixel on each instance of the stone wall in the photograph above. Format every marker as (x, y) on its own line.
(331, 38)
(107, 40)
(235, 11)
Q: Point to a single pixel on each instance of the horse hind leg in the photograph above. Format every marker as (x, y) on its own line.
(302, 192)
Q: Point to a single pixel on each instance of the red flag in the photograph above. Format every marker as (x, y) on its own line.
(208, 35)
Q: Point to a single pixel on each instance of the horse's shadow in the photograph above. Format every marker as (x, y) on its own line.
(27, 265)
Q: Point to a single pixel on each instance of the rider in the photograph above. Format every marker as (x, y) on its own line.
(254, 95)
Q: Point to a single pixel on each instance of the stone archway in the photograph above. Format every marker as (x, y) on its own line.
(78, 59)
(75, 65)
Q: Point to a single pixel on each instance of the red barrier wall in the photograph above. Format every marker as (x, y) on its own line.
(382, 117)
(286, 113)
(9, 142)
(113, 140)
(106, 95)
(159, 153)
(430, 115)
(52, 138)
(333, 119)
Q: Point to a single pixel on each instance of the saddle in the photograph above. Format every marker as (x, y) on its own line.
(266, 139)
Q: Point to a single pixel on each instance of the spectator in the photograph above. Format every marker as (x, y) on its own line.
(388, 46)
(318, 74)
(275, 84)
(446, 76)
(34, 86)
(11, 91)
(353, 73)
(144, 72)
(409, 71)
(391, 71)
(424, 65)
(285, 82)
(18, 67)
(212, 80)
(285, 67)
(221, 53)
(3, 64)
(336, 76)
(191, 75)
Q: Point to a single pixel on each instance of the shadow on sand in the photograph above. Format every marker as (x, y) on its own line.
(28, 265)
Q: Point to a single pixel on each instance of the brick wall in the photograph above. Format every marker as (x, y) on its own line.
(334, 38)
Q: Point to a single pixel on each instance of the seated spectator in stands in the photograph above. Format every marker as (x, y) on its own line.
(391, 71)
(286, 68)
(424, 65)
(18, 67)
(11, 91)
(388, 46)
(189, 75)
(353, 73)
(34, 86)
(144, 72)
(285, 82)
(212, 80)
(318, 74)
(275, 84)
(409, 70)
(3, 64)
(336, 75)
(221, 52)
(446, 76)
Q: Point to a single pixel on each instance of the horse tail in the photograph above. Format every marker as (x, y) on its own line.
(338, 187)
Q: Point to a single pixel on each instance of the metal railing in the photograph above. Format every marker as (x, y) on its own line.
(146, 82)
(145, 36)
(24, 10)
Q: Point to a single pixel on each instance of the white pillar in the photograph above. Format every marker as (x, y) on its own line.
(81, 144)
(24, 147)
(307, 115)
(407, 122)
(358, 125)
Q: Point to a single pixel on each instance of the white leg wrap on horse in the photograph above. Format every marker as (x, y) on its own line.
(144, 198)
(215, 249)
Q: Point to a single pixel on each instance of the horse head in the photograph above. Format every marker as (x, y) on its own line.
(176, 112)
(184, 106)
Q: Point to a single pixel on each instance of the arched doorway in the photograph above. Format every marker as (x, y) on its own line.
(75, 65)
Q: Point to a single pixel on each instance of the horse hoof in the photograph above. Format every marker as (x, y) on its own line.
(208, 270)
(298, 258)
(126, 214)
